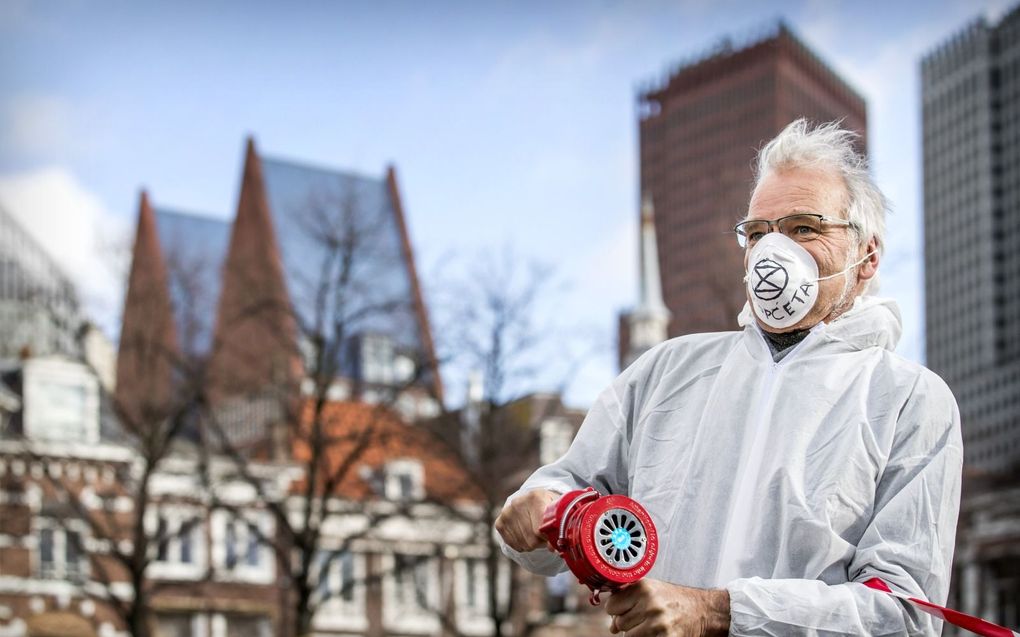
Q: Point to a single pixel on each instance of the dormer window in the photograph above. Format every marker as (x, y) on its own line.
(376, 359)
(61, 401)
(405, 480)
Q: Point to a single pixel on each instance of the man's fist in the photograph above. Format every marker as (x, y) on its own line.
(518, 522)
(650, 608)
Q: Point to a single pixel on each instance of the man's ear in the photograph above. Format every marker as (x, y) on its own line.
(869, 268)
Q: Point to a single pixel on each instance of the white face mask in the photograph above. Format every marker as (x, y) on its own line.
(782, 280)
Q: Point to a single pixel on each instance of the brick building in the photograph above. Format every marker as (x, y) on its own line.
(68, 508)
(302, 461)
(699, 132)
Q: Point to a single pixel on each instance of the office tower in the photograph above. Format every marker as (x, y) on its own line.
(971, 138)
(39, 310)
(699, 131)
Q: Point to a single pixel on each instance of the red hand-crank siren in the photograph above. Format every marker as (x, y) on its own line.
(607, 541)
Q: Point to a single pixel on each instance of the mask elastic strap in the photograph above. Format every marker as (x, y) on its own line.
(847, 268)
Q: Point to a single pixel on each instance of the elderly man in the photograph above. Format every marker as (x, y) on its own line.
(787, 463)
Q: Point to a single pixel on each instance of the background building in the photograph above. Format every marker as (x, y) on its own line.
(699, 131)
(644, 326)
(971, 139)
(39, 310)
(312, 482)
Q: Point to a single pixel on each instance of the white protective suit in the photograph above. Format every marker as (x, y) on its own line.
(785, 483)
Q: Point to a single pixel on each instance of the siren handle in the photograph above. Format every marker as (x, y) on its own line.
(554, 520)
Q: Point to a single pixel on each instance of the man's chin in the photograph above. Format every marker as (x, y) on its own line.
(805, 324)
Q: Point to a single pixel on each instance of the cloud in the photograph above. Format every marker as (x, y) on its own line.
(73, 225)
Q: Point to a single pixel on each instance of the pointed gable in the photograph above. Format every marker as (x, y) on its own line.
(255, 335)
(147, 352)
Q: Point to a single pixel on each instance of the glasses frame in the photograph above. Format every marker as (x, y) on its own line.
(774, 225)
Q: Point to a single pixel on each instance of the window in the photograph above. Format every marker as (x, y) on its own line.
(474, 589)
(239, 549)
(411, 594)
(61, 551)
(411, 575)
(162, 542)
(176, 546)
(336, 579)
(376, 358)
(61, 401)
(186, 556)
(405, 480)
(340, 592)
(231, 542)
(251, 557)
(556, 434)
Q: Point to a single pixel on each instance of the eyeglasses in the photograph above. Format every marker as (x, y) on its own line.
(799, 227)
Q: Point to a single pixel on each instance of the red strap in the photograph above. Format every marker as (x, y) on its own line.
(967, 622)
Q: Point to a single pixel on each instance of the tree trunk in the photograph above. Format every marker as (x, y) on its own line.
(302, 610)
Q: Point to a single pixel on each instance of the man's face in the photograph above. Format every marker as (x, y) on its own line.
(821, 192)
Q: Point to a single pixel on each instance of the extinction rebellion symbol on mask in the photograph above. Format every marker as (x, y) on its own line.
(772, 279)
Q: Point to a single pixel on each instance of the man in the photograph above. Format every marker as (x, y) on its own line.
(786, 463)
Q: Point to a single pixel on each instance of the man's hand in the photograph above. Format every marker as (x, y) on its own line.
(518, 522)
(652, 608)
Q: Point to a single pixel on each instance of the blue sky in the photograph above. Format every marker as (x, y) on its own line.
(510, 124)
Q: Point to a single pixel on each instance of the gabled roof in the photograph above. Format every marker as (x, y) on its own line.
(236, 281)
(362, 439)
(193, 248)
(148, 340)
(311, 206)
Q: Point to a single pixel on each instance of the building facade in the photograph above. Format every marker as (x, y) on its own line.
(70, 499)
(699, 131)
(39, 310)
(261, 445)
(971, 143)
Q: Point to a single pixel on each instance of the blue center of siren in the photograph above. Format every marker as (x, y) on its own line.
(620, 538)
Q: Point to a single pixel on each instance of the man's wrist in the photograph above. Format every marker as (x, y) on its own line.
(717, 613)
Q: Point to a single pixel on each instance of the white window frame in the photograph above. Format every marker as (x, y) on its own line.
(404, 467)
(59, 569)
(42, 372)
(555, 436)
(472, 619)
(336, 613)
(261, 573)
(377, 356)
(177, 516)
(410, 617)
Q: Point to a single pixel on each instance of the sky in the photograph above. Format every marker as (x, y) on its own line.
(512, 125)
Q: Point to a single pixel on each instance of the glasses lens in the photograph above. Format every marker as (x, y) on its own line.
(801, 227)
(748, 232)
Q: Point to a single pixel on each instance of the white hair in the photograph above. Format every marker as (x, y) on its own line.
(830, 147)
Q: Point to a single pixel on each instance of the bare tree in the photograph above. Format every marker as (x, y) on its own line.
(160, 395)
(503, 331)
(331, 417)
